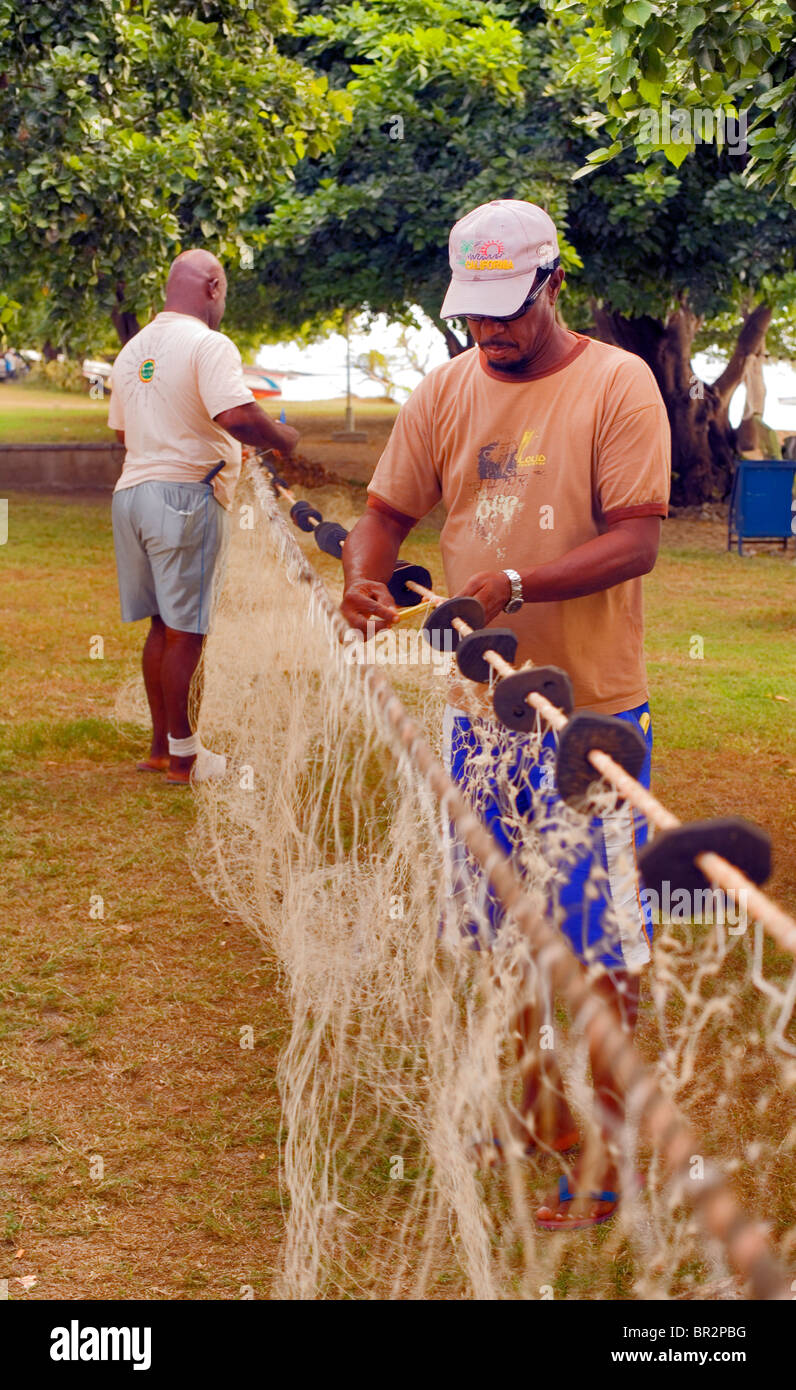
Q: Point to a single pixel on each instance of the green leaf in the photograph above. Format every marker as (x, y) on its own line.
(676, 153)
(605, 153)
(651, 91)
(741, 47)
(653, 66)
(773, 97)
(638, 12)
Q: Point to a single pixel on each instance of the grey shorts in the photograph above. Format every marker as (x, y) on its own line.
(170, 541)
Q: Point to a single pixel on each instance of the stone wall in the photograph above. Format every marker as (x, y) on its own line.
(60, 467)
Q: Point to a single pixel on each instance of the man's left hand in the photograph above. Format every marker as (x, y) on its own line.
(492, 588)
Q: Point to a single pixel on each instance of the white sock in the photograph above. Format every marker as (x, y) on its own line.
(207, 764)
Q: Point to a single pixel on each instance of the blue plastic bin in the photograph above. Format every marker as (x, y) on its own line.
(762, 505)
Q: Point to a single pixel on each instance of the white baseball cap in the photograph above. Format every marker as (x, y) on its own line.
(495, 252)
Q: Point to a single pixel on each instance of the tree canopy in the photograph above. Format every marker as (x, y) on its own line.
(325, 150)
(131, 130)
(433, 133)
(650, 56)
(442, 94)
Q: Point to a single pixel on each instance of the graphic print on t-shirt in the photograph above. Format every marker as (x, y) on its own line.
(504, 466)
(138, 380)
(527, 471)
(169, 384)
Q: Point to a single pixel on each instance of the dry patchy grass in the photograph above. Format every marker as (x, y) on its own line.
(119, 1035)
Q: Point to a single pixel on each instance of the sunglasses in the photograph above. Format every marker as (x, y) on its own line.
(523, 309)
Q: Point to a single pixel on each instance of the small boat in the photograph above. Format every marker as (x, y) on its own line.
(261, 383)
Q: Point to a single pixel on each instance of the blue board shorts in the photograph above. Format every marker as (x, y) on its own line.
(170, 541)
(590, 873)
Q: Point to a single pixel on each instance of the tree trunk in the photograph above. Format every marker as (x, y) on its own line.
(125, 323)
(48, 352)
(704, 444)
(754, 437)
(453, 343)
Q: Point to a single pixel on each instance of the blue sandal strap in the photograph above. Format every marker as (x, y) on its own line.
(564, 1194)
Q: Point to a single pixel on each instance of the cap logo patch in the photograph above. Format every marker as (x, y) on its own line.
(484, 255)
(147, 369)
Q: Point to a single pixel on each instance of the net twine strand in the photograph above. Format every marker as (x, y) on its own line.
(721, 872)
(717, 869)
(744, 1240)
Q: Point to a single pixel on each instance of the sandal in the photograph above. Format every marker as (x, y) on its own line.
(153, 765)
(582, 1222)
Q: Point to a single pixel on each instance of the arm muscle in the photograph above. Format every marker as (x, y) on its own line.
(250, 424)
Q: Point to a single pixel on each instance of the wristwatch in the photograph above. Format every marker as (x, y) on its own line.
(516, 601)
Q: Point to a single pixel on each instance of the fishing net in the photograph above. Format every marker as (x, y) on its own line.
(407, 1164)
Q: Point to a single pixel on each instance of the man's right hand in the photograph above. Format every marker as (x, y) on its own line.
(367, 601)
(291, 438)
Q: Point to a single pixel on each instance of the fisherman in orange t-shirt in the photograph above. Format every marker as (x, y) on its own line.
(551, 454)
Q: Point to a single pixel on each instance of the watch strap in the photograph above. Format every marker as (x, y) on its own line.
(516, 591)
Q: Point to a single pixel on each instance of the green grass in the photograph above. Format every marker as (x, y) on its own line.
(744, 610)
(367, 411)
(118, 1035)
(114, 1030)
(47, 415)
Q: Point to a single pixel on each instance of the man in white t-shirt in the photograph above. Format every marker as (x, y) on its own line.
(182, 408)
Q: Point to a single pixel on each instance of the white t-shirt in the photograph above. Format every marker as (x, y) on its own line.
(168, 382)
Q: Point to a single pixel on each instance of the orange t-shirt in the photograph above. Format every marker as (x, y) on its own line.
(528, 470)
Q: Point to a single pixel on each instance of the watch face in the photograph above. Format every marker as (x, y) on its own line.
(513, 605)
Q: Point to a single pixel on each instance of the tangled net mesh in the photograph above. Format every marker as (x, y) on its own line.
(402, 1051)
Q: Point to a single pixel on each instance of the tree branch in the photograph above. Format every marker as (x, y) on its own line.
(453, 344)
(603, 324)
(750, 340)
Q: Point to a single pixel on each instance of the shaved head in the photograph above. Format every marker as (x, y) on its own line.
(197, 285)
